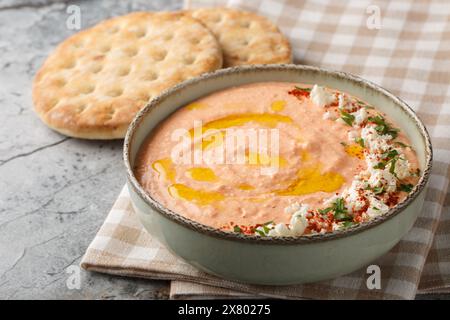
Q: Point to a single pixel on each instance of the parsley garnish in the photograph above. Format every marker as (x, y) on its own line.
(303, 89)
(325, 211)
(265, 229)
(237, 229)
(340, 211)
(401, 144)
(347, 117)
(389, 157)
(360, 141)
(260, 232)
(390, 154)
(382, 127)
(406, 187)
(392, 167)
(363, 104)
(347, 224)
(376, 190)
(380, 165)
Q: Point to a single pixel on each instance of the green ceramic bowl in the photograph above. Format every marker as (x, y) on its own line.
(278, 260)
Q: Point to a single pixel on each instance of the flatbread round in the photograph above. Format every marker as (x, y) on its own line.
(245, 37)
(96, 81)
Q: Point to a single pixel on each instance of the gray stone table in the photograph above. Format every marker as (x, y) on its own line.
(54, 191)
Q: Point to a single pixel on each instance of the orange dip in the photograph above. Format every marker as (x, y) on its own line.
(314, 161)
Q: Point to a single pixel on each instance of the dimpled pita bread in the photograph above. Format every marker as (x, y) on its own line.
(245, 37)
(96, 81)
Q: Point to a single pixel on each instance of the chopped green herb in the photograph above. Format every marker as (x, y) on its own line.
(339, 204)
(401, 144)
(378, 190)
(343, 143)
(340, 211)
(265, 229)
(325, 211)
(382, 127)
(389, 158)
(391, 154)
(347, 224)
(375, 208)
(303, 89)
(260, 232)
(347, 117)
(360, 141)
(343, 216)
(237, 229)
(406, 187)
(392, 167)
(380, 165)
(363, 104)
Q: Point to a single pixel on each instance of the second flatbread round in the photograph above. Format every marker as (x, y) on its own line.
(96, 81)
(245, 37)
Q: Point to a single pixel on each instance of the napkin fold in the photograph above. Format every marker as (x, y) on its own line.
(404, 47)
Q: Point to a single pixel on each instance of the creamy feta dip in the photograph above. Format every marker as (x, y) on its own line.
(339, 161)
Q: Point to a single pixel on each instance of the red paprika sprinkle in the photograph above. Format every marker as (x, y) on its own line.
(299, 93)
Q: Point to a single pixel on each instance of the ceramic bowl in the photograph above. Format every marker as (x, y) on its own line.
(276, 260)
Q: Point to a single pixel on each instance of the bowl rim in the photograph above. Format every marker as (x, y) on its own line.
(210, 231)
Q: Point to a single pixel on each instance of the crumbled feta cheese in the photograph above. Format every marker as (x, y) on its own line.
(360, 116)
(280, 230)
(371, 159)
(320, 96)
(379, 145)
(354, 197)
(302, 210)
(376, 208)
(344, 103)
(336, 226)
(401, 168)
(298, 224)
(298, 221)
(373, 140)
(382, 178)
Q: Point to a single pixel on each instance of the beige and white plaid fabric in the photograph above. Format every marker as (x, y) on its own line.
(410, 55)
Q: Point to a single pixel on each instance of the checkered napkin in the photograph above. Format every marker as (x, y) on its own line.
(407, 51)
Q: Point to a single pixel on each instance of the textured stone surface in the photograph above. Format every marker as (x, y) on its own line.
(54, 191)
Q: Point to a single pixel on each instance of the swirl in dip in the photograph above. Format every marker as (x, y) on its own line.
(338, 161)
